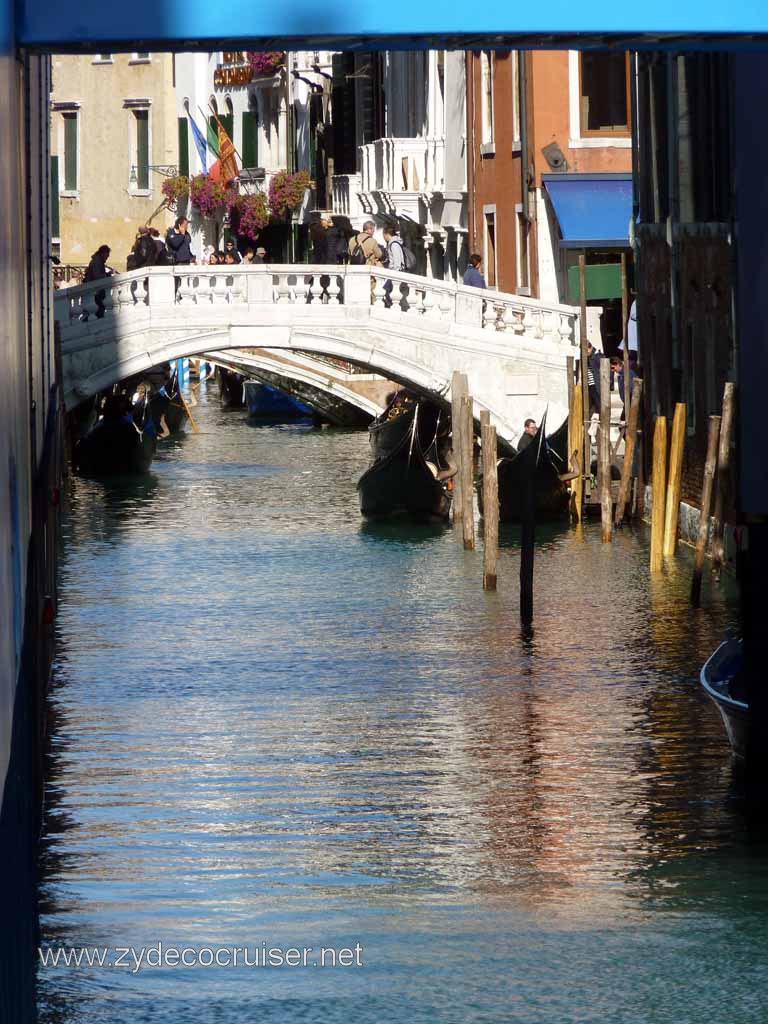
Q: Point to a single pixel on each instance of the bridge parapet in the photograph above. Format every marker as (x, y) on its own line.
(372, 291)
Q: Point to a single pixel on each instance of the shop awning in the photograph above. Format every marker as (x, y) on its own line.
(593, 210)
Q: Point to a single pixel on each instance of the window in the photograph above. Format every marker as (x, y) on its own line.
(69, 145)
(140, 58)
(604, 93)
(523, 252)
(486, 101)
(249, 146)
(183, 146)
(102, 58)
(489, 247)
(142, 149)
(55, 223)
(139, 146)
(517, 65)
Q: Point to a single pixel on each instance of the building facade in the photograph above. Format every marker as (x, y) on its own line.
(549, 135)
(397, 150)
(112, 125)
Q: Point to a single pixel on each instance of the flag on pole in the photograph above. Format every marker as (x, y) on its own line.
(227, 158)
(200, 143)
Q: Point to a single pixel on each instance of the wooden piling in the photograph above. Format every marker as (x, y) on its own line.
(674, 480)
(630, 441)
(576, 449)
(706, 507)
(527, 548)
(467, 470)
(659, 486)
(604, 452)
(490, 502)
(586, 444)
(625, 325)
(459, 387)
(723, 478)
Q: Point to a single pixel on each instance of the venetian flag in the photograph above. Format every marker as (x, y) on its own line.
(200, 143)
(227, 160)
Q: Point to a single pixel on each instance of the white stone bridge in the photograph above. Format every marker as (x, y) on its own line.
(410, 329)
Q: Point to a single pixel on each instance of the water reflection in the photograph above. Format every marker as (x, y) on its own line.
(271, 721)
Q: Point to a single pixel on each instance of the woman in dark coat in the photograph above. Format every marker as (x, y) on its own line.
(97, 270)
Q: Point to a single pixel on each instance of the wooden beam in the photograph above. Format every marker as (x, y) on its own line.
(674, 480)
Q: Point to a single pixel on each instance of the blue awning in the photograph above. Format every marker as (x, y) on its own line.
(593, 210)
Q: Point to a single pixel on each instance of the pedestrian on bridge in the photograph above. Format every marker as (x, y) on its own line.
(98, 269)
(179, 242)
(472, 275)
(363, 249)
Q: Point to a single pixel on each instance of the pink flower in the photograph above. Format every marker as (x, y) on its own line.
(286, 191)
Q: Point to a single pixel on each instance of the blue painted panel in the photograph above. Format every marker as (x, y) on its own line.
(591, 209)
(174, 21)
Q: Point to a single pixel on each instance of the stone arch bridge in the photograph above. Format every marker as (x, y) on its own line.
(410, 329)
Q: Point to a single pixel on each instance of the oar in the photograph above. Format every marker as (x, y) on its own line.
(195, 427)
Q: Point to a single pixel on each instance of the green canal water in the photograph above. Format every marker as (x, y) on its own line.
(273, 723)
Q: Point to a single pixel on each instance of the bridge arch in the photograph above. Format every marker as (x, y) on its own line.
(513, 349)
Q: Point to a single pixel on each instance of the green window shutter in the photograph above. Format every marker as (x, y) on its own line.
(70, 152)
(142, 148)
(213, 135)
(183, 146)
(54, 197)
(250, 144)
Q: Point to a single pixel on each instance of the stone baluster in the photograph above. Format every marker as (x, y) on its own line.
(186, 290)
(527, 320)
(379, 292)
(313, 290)
(141, 293)
(283, 289)
(428, 302)
(565, 328)
(110, 299)
(538, 324)
(334, 290)
(203, 292)
(219, 289)
(445, 303)
(509, 318)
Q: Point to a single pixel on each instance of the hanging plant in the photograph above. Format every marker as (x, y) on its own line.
(266, 62)
(175, 189)
(286, 191)
(206, 195)
(252, 215)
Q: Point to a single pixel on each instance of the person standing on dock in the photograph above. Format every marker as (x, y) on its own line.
(593, 377)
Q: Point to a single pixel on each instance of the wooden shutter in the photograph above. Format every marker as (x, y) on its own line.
(183, 146)
(142, 148)
(70, 152)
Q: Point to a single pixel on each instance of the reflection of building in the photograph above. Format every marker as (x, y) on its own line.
(112, 120)
(549, 152)
(398, 150)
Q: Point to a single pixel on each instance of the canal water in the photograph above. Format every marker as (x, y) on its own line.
(272, 723)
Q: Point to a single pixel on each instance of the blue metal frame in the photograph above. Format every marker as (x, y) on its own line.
(184, 24)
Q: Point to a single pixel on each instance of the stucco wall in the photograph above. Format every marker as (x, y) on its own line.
(104, 211)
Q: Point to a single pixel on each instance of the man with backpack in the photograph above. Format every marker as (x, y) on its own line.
(399, 256)
(363, 249)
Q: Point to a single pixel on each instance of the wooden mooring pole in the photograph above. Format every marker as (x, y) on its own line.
(604, 453)
(723, 479)
(659, 486)
(706, 507)
(576, 449)
(490, 501)
(586, 445)
(467, 471)
(459, 387)
(630, 441)
(674, 481)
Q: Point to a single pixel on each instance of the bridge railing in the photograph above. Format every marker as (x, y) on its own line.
(376, 292)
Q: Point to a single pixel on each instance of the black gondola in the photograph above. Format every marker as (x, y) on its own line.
(544, 457)
(409, 475)
(117, 445)
(720, 679)
(231, 391)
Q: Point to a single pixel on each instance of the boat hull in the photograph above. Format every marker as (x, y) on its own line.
(265, 402)
(551, 494)
(231, 392)
(717, 677)
(114, 449)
